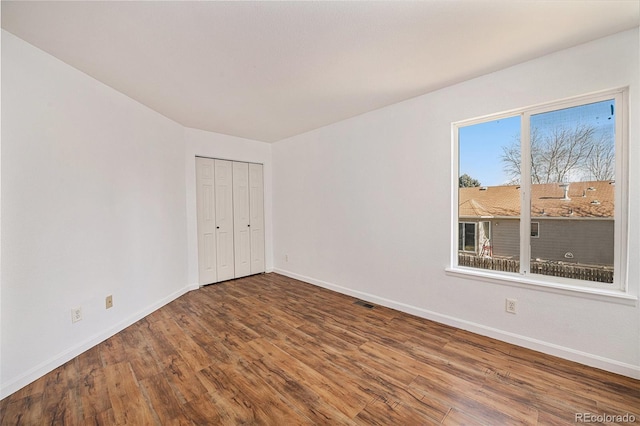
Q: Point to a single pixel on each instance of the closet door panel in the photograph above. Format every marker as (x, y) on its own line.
(241, 223)
(256, 215)
(206, 221)
(224, 219)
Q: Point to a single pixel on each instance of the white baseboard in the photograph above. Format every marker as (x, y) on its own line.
(190, 287)
(570, 354)
(56, 361)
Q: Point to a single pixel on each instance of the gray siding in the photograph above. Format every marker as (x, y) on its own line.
(590, 241)
(506, 237)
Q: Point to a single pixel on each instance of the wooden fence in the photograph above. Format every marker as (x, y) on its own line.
(599, 274)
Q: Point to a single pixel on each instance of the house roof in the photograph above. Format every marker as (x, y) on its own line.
(585, 199)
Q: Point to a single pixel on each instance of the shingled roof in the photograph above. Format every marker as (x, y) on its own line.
(585, 199)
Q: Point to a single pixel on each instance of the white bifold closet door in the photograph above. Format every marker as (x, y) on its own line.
(241, 225)
(206, 220)
(230, 206)
(224, 219)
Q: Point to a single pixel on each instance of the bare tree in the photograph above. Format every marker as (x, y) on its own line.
(562, 154)
(601, 162)
(511, 161)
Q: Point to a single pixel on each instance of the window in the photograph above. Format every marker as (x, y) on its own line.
(535, 229)
(467, 237)
(556, 165)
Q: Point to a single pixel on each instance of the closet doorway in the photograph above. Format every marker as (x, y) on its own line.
(230, 206)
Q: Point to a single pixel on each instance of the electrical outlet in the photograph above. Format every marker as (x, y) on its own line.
(76, 314)
(511, 305)
(109, 302)
(286, 257)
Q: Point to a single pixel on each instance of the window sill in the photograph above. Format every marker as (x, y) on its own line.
(608, 295)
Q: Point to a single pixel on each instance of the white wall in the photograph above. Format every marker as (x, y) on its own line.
(93, 203)
(214, 145)
(364, 207)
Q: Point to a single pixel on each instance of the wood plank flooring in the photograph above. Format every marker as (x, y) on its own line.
(271, 350)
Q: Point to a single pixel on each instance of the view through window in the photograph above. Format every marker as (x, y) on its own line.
(564, 172)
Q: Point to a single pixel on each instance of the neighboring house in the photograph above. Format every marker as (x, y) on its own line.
(571, 223)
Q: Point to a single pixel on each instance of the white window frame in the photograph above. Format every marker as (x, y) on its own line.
(619, 288)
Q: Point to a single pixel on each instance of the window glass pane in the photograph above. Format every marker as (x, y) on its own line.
(470, 237)
(535, 229)
(572, 192)
(488, 194)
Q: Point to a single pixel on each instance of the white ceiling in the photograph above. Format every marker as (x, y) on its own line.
(270, 70)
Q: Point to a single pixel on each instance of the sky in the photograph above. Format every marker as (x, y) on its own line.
(480, 149)
(481, 145)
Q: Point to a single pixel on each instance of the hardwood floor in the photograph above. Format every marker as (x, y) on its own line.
(268, 349)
